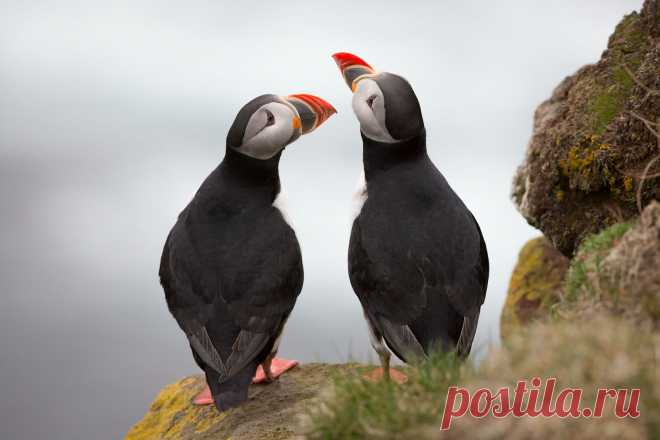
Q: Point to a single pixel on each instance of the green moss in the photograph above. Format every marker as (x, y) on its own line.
(576, 279)
(610, 100)
(626, 47)
(605, 106)
(623, 78)
(604, 240)
(629, 41)
(583, 276)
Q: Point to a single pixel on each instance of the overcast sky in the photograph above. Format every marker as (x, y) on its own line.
(112, 113)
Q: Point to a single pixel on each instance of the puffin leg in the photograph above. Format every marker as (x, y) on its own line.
(385, 364)
(268, 373)
(273, 366)
(204, 397)
(384, 372)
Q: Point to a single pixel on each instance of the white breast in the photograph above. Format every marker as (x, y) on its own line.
(359, 197)
(281, 204)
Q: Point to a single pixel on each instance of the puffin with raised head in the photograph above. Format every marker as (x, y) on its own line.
(231, 267)
(417, 260)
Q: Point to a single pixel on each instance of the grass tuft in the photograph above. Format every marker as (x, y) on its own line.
(584, 273)
(605, 351)
(358, 408)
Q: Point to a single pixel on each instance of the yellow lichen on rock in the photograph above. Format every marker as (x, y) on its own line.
(172, 415)
(273, 411)
(534, 286)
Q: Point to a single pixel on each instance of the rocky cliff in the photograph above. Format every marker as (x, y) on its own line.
(594, 138)
(616, 270)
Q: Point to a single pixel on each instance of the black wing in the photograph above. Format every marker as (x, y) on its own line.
(480, 275)
(231, 286)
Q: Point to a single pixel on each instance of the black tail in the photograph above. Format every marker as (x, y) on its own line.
(233, 391)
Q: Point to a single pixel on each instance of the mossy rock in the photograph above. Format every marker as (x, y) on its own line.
(617, 271)
(586, 275)
(535, 285)
(633, 266)
(273, 411)
(589, 146)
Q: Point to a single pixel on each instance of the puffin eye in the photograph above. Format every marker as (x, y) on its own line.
(270, 118)
(370, 101)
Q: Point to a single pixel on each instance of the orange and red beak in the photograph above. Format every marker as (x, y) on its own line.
(352, 67)
(313, 111)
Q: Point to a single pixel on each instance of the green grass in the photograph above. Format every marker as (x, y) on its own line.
(584, 272)
(360, 408)
(604, 351)
(604, 239)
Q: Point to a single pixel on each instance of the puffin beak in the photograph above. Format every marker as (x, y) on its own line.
(352, 67)
(313, 111)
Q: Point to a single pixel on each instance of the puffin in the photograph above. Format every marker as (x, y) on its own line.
(231, 267)
(417, 259)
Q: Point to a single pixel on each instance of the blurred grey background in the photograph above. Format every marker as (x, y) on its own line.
(112, 113)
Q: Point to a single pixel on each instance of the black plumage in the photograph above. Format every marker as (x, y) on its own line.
(417, 259)
(231, 267)
(232, 270)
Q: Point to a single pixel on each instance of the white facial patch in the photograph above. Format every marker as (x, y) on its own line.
(369, 107)
(268, 130)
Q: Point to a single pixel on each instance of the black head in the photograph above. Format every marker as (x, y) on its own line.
(268, 123)
(384, 103)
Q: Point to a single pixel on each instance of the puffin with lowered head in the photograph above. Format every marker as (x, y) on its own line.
(417, 260)
(231, 267)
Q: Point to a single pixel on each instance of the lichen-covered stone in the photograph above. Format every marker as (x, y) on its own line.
(589, 147)
(172, 415)
(535, 285)
(633, 266)
(271, 412)
(585, 275)
(618, 271)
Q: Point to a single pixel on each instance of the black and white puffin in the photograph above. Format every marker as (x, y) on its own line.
(231, 267)
(417, 259)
